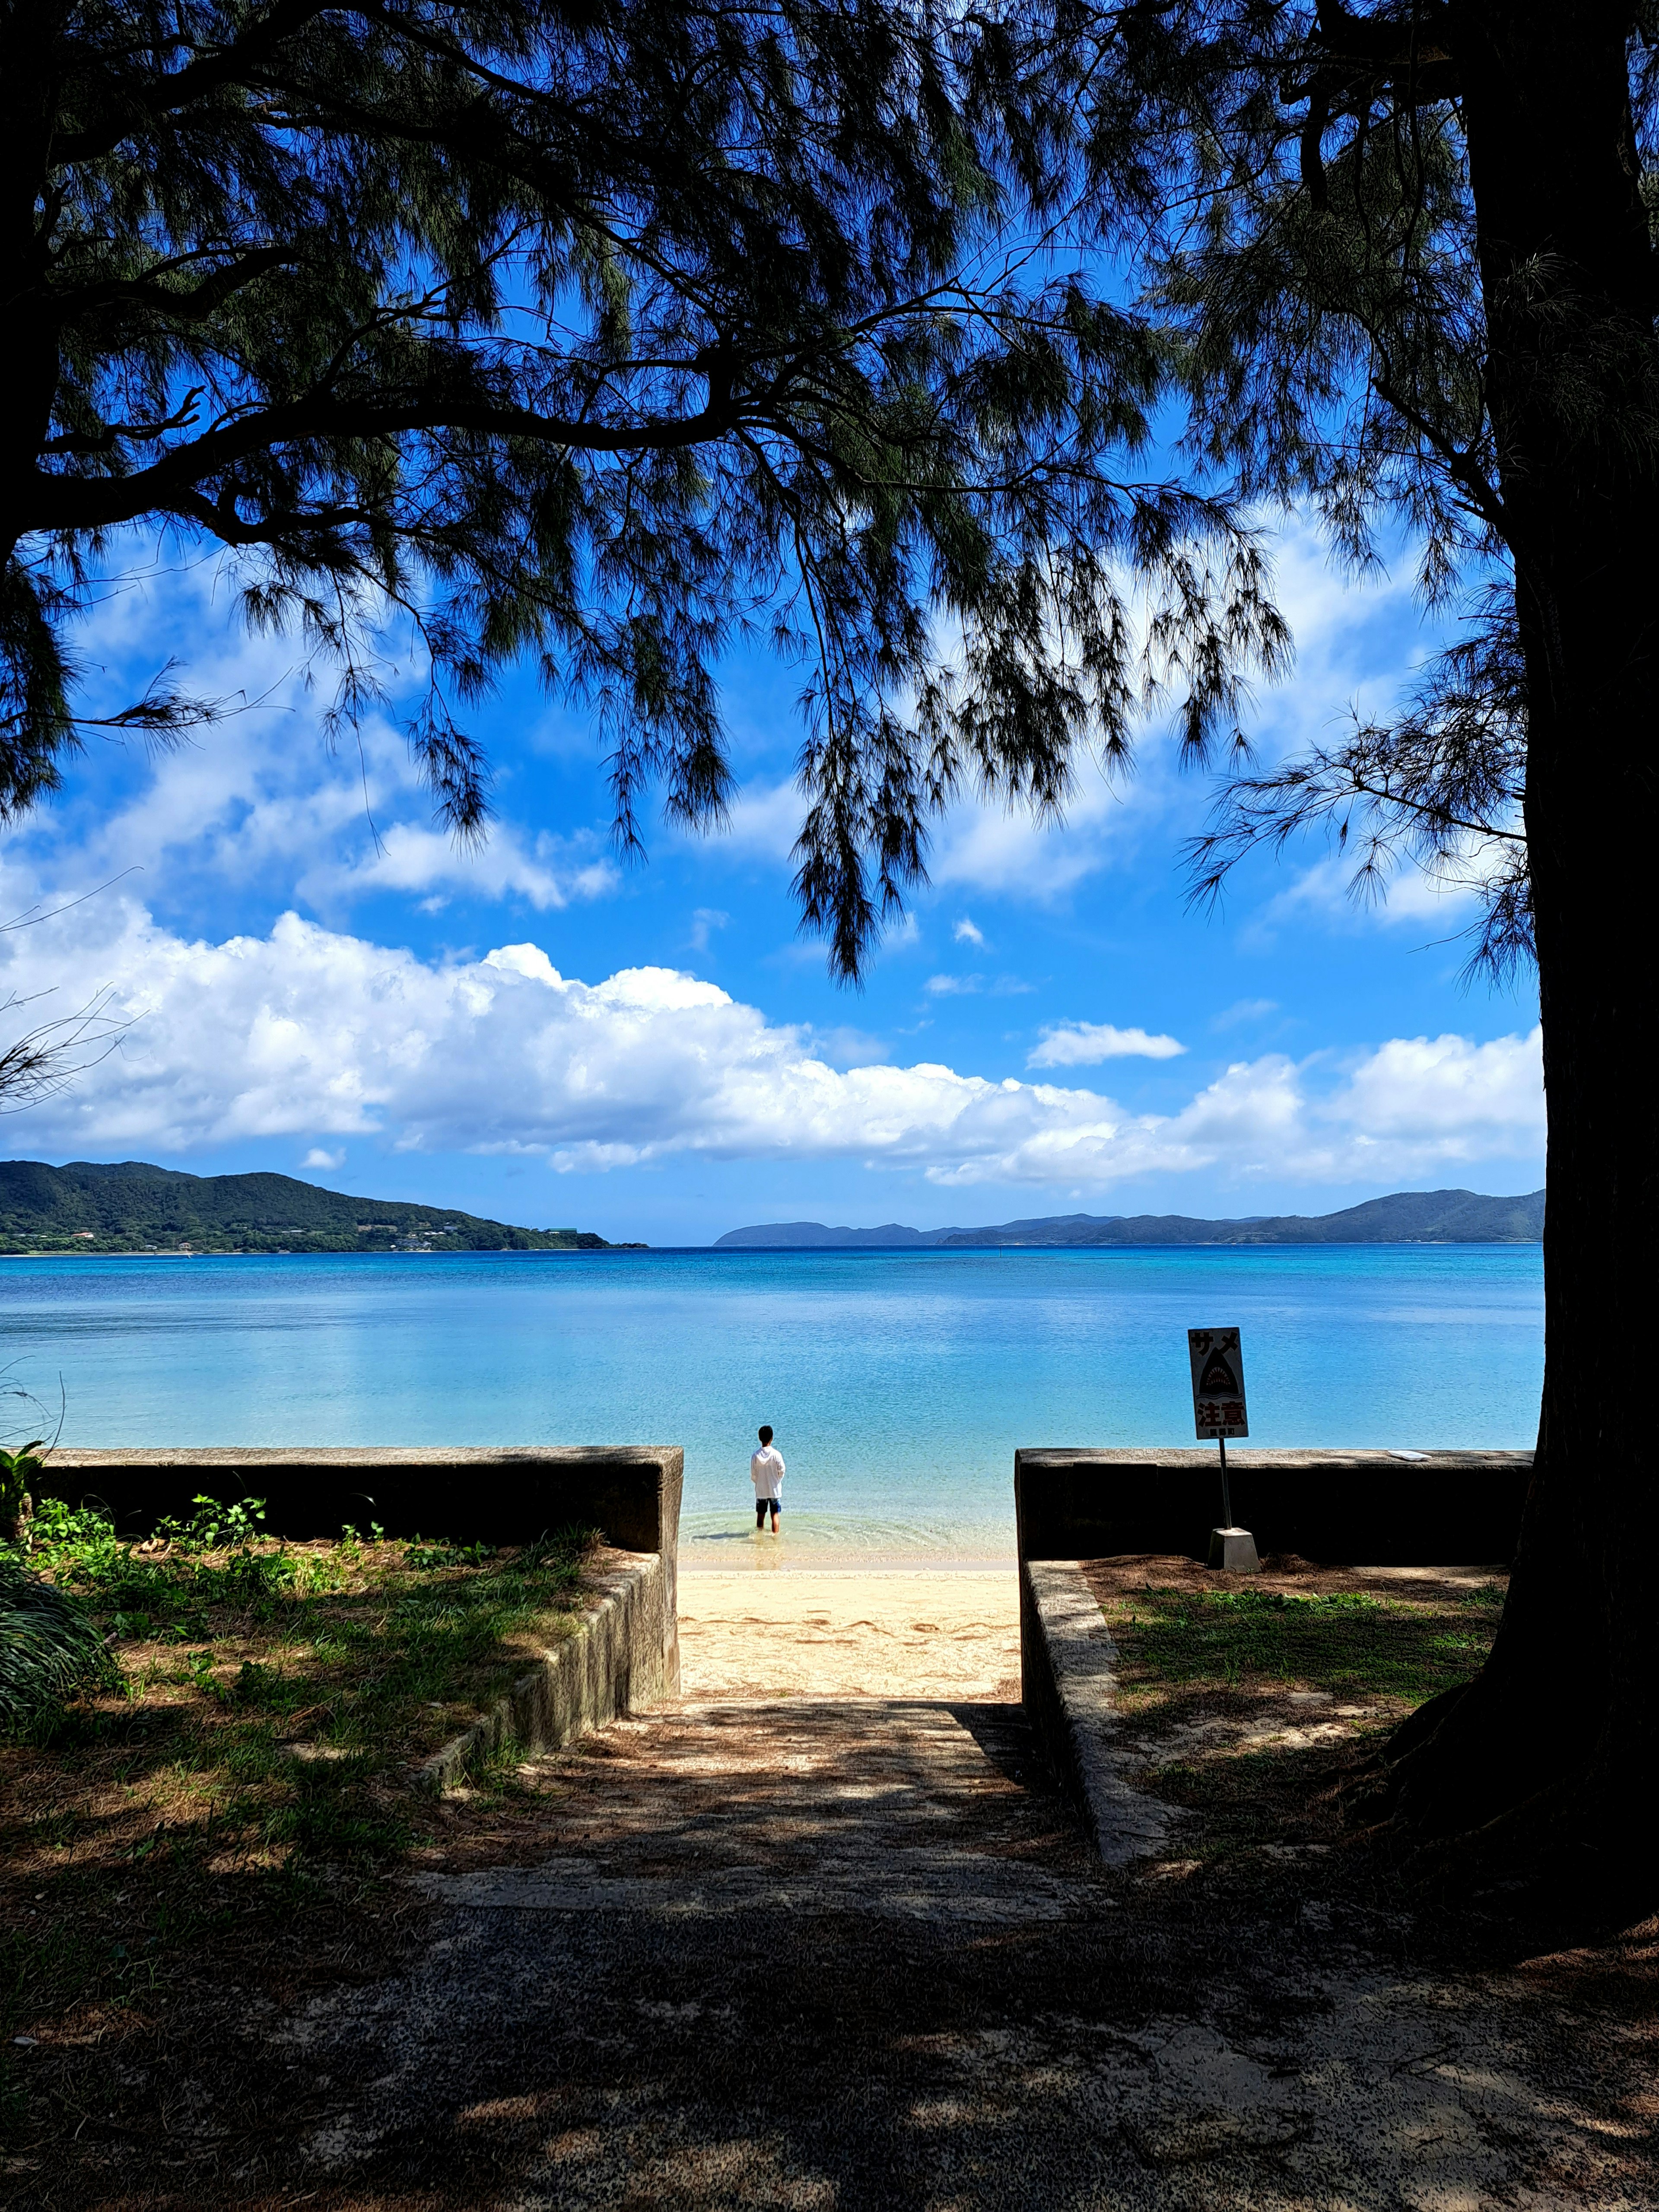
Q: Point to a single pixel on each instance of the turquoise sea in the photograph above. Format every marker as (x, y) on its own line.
(899, 1383)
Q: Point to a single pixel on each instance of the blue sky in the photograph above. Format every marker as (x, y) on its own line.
(540, 1033)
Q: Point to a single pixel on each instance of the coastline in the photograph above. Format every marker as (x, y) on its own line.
(726, 1541)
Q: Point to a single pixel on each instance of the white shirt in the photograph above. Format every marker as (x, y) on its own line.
(766, 1471)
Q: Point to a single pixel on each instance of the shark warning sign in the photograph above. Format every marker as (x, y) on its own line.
(1218, 1383)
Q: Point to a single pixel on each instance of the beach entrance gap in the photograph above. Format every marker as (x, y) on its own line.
(821, 1932)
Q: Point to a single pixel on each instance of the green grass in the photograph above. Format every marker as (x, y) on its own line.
(271, 1700)
(1204, 1685)
(1354, 1646)
(51, 1647)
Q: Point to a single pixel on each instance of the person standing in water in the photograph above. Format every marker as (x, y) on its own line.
(766, 1473)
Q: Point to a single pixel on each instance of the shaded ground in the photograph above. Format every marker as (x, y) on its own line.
(1250, 1702)
(267, 1700)
(846, 1950)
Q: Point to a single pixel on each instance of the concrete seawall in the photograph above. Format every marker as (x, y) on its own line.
(1068, 1669)
(1436, 1508)
(507, 1494)
(1348, 1508)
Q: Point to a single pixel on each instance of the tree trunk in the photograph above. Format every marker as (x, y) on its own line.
(1549, 1755)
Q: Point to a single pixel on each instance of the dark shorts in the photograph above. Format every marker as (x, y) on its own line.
(761, 1505)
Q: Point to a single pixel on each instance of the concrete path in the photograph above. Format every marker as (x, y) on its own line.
(847, 1950)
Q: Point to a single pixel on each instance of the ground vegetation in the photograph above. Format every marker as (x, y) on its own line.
(1262, 1706)
(233, 1732)
(50, 1649)
(560, 1998)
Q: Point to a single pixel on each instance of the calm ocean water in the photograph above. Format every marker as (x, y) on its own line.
(899, 1383)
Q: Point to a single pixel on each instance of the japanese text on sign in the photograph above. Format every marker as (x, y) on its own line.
(1218, 1383)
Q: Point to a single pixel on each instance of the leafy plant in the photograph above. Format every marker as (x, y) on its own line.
(168, 1586)
(50, 1648)
(419, 1554)
(19, 1471)
(214, 1526)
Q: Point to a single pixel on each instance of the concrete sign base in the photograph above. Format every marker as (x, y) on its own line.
(1233, 1550)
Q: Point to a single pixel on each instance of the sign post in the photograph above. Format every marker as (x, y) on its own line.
(1219, 1411)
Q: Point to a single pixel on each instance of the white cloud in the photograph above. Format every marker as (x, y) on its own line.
(765, 820)
(705, 920)
(243, 806)
(545, 870)
(843, 1046)
(988, 847)
(980, 846)
(1408, 894)
(970, 986)
(318, 1157)
(313, 1034)
(262, 797)
(1083, 1044)
(1352, 639)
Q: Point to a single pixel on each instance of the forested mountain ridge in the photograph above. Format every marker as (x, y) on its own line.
(130, 1206)
(1405, 1217)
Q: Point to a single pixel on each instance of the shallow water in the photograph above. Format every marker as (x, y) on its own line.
(899, 1383)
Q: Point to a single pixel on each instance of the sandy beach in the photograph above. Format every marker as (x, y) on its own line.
(850, 1632)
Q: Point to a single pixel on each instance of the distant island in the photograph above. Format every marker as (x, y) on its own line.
(1405, 1217)
(130, 1206)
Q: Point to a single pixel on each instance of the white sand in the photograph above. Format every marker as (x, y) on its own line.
(841, 1633)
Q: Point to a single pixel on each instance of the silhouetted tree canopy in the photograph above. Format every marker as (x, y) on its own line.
(604, 334)
(1313, 261)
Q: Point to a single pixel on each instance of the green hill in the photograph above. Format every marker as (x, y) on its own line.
(132, 1207)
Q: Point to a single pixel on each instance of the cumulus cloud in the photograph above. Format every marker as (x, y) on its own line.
(968, 933)
(1083, 1044)
(319, 1157)
(544, 871)
(313, 1034)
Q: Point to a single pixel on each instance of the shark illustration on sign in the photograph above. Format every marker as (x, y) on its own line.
(1218, 1383)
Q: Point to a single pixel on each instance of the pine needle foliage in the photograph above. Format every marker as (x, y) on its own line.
(611, 335)
(1318, 260)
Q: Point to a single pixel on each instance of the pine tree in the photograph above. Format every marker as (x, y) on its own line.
(1411, 250)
